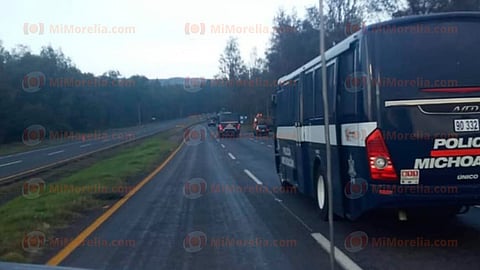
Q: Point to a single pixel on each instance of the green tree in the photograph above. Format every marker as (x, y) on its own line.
(232, 66)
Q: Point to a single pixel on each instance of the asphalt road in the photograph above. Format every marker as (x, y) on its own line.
(217, 205)
(77, 145)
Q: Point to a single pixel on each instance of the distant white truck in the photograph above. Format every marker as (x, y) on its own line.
(228, 124)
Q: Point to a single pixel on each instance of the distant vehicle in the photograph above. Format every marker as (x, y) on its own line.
(403, 146)
(228, 124)
(212, 122)
(260, 125)
(261, 130)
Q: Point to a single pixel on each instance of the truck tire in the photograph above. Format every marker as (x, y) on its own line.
(321, 195)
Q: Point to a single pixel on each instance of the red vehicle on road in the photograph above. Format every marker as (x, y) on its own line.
(260, 125)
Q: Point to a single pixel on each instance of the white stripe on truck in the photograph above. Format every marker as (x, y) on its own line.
(353, 134)
(416, 102)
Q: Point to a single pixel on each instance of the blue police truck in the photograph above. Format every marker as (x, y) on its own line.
(404, 99)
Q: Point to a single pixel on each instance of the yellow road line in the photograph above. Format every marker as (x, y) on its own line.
(62, 254)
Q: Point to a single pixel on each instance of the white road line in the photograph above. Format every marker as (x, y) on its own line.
(270, 145)
(54, 153)
(262, 143)
(231, 156)
(477, 206)
(11, 163)
(85, 145)
(38, 150)
(342, 259)
(253, 177)
(223, 146)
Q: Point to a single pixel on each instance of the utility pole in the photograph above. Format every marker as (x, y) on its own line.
(327, 135)
(139, 113)
(267, 109)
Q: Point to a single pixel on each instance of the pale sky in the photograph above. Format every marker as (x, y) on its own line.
(171, 38)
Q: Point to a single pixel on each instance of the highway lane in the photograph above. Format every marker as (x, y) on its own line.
(382, 242)
(162, 214)
(76, 146)
(244, 227)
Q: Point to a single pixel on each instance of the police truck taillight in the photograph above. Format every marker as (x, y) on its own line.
(238, 126)
(220, 127)
(380, 163)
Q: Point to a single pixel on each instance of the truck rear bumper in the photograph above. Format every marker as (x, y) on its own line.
(405, 197)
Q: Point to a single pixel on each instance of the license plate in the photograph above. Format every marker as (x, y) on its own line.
(466, 125)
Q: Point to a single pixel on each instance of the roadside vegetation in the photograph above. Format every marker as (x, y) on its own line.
(58, 204)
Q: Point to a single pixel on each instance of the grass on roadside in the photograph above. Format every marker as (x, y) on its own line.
(56, 208)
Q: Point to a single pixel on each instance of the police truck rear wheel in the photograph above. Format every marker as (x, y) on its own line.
(322, 197)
